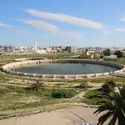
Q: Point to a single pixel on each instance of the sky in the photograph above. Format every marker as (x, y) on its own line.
(67, 22)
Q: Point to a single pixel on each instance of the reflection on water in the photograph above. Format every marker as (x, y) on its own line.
(67, 68)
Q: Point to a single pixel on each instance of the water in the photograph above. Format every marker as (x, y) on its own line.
(67, 68)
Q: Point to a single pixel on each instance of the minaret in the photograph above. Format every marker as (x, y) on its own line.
(35, 46)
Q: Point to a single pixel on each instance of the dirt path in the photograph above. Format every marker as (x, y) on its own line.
(14, 85)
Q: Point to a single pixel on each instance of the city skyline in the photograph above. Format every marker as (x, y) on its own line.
(67, 23)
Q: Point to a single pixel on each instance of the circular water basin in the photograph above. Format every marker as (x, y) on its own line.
(67, 68)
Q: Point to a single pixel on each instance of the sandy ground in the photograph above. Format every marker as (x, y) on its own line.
(59, 117)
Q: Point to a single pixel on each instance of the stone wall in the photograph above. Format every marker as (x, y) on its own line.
(8, 68)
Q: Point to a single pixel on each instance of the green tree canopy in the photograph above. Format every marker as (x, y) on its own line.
(119, 54)
(106, 52)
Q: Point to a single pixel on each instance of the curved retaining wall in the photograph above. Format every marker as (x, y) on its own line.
(8, 68)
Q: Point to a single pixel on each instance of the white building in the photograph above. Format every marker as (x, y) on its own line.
(35, 46)
(90, 52)
(73, 49)
(123, 52)
(111, 57)
(41, 52)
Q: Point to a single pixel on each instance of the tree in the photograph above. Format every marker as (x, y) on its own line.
(101, 56)
(84, 56)
(83, 85)
(106, 52)
(114, 107)
(119, 54)
(86, 50)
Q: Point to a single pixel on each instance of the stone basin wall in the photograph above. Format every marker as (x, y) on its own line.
(8, 68)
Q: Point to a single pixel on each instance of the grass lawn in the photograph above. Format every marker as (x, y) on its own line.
(21, 97)
(93, 97)
(119, 60)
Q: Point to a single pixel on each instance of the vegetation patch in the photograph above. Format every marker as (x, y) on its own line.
(63, 93)
(94, 97)
(22, 97)
(118, 60)
(83, 85)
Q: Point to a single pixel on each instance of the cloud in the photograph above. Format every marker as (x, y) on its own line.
(107, 32)
(120, 29)
(4, 25)
(65, 19)
(41, 25)
(69, 34)
(122, 19)
(51, 28)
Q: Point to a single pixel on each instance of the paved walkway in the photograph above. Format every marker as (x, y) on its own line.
(58, 117)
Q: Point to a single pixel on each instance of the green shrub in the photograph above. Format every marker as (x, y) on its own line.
(83, 85)
(63, 93)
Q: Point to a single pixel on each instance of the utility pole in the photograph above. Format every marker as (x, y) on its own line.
(16, 117)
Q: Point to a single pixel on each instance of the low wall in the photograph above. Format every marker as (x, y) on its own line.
(9, 68)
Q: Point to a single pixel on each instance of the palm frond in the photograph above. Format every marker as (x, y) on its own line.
(107, 106)
(113, 120)
(104, 118)
(114, 106)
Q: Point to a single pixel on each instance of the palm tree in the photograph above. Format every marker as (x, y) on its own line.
(114, 108)
(106, 86)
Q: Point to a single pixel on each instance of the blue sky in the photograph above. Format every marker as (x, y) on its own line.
(67, 22)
